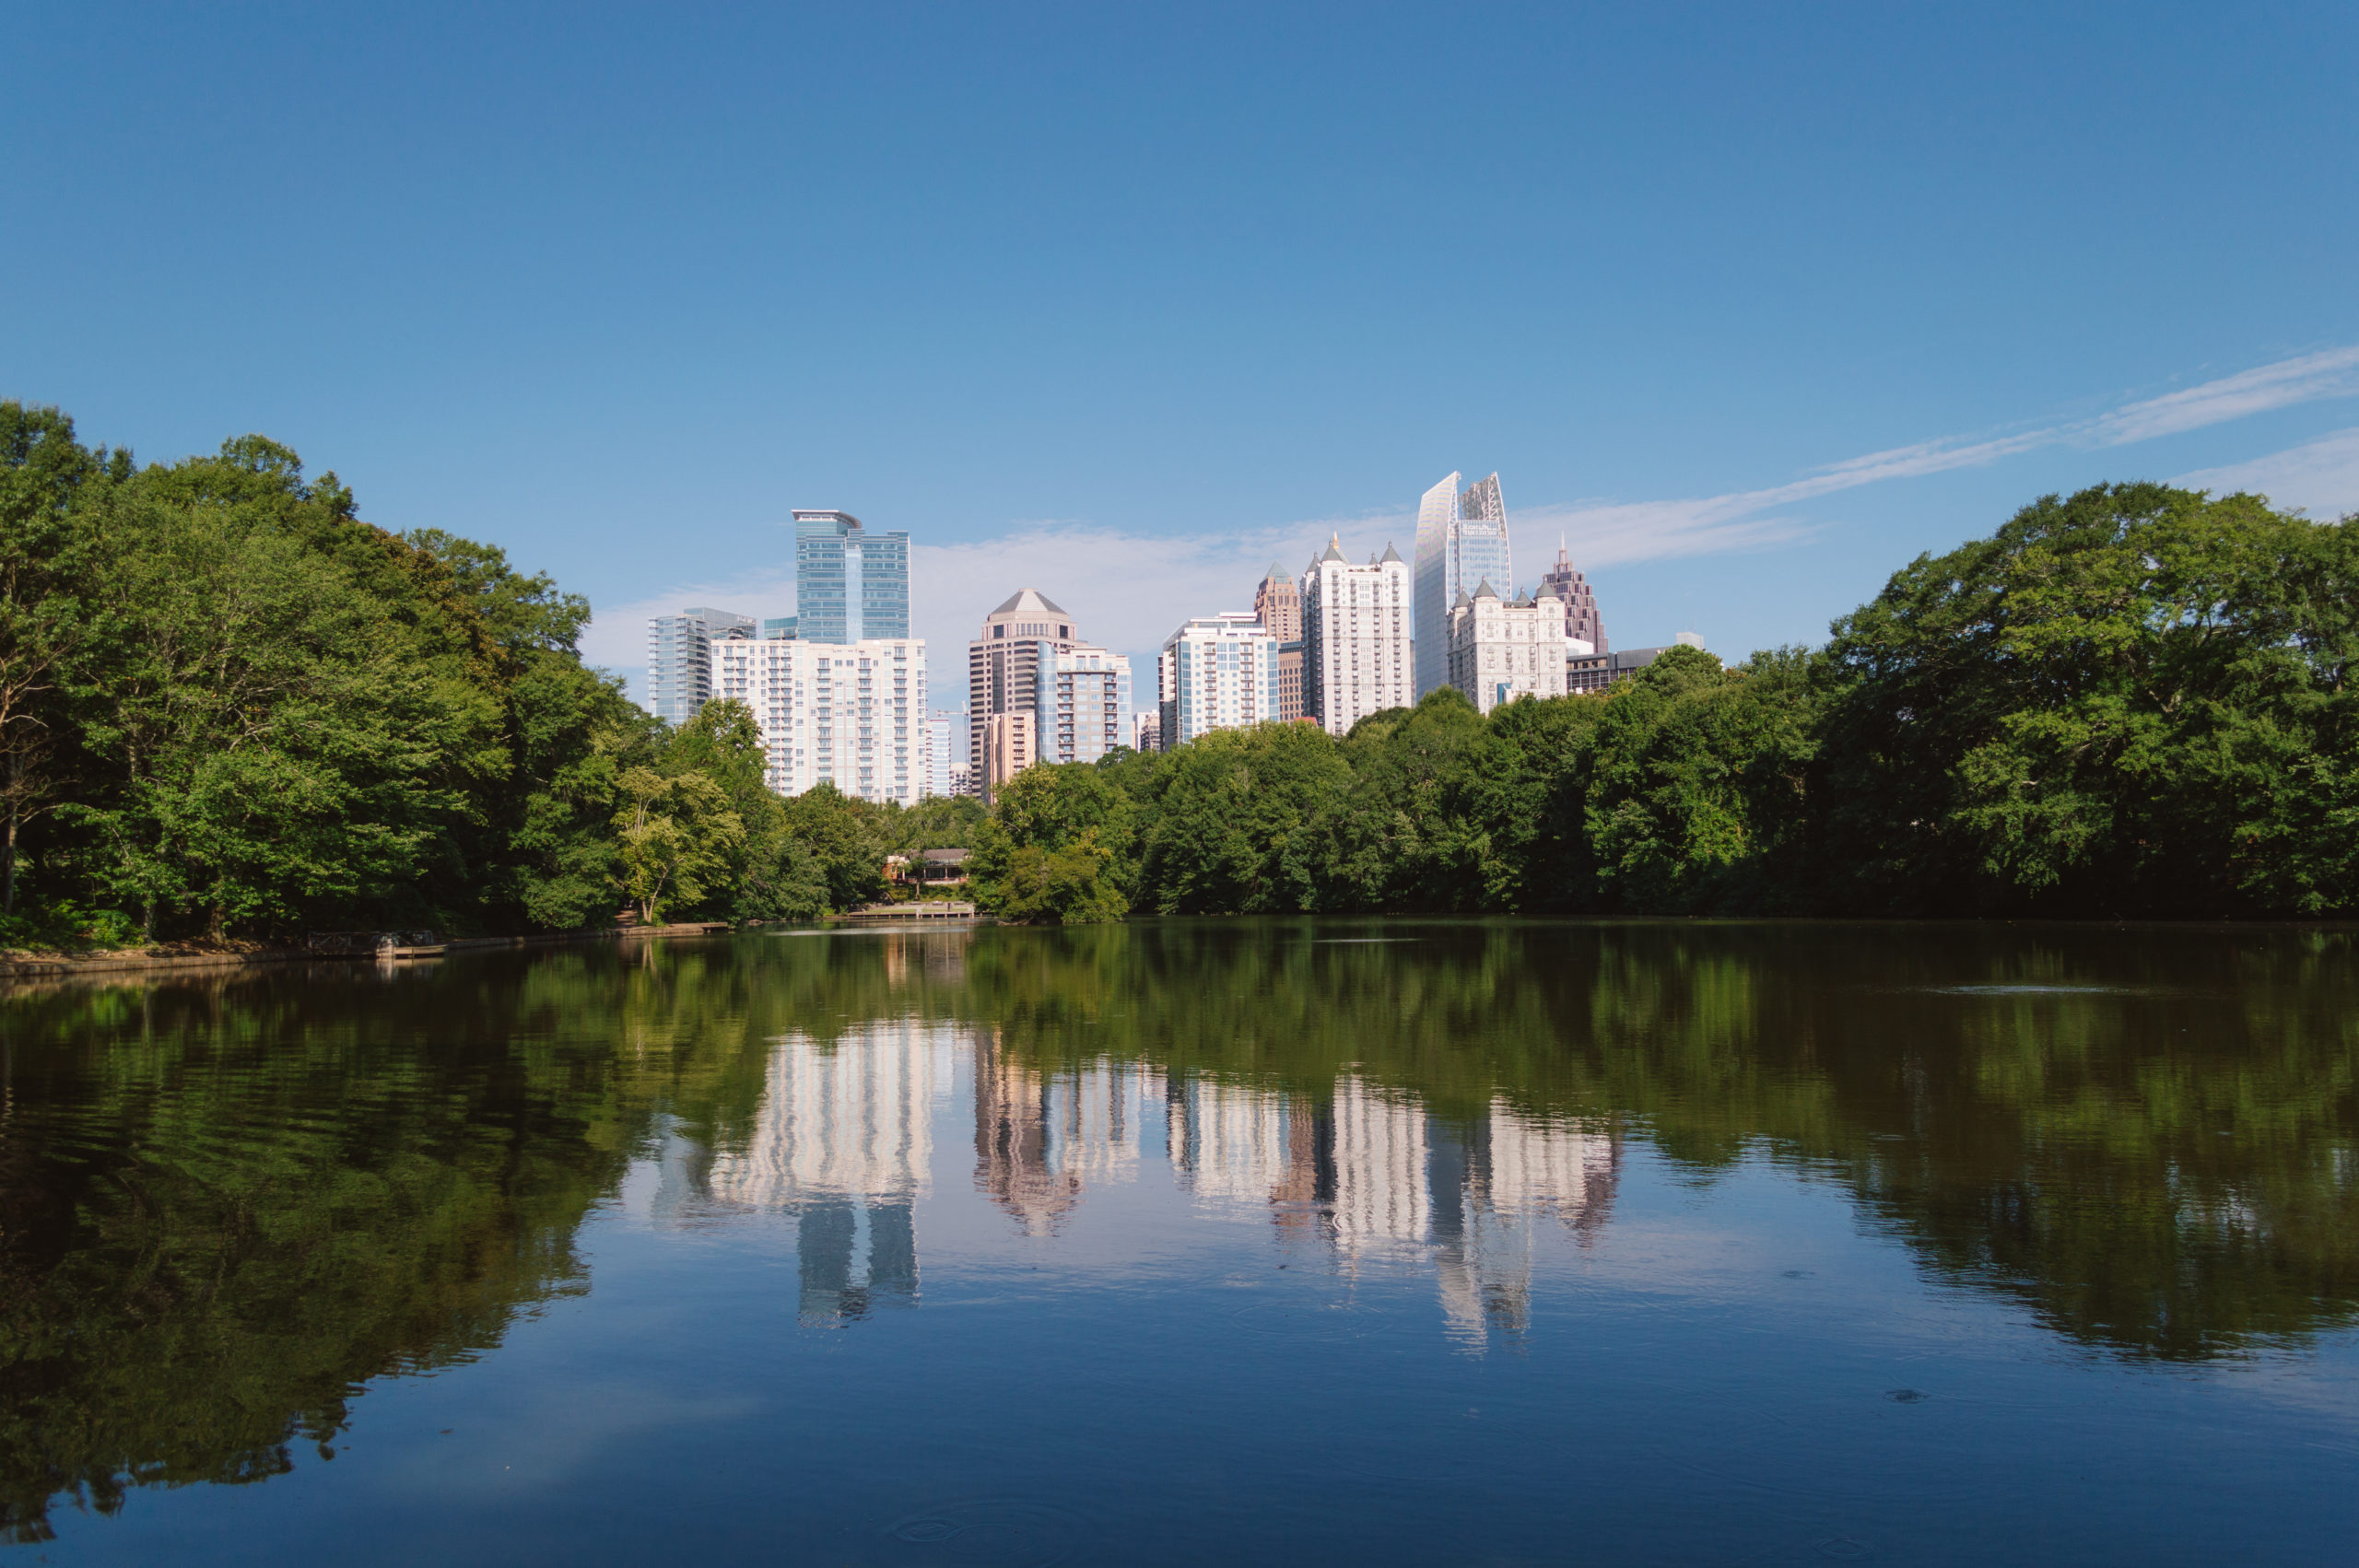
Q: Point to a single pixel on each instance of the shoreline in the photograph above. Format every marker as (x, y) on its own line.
(67, 966)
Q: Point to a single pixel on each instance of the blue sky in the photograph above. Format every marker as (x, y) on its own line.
(1120, 302)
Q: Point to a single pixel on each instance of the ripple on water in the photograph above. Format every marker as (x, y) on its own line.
(1313, 1318)
(1004, 1532)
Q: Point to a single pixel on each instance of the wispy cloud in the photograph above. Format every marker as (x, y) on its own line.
(1129, 590)
(2320, 477)
(1618, 533)
(2309, 377)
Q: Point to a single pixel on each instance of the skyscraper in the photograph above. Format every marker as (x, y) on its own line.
(1462, 539)
(1216, 672)
(1582, 623)
(1356, 647)
(848, 714)
(1011, 667)
(679, 659)
(1277, 602)
(947, 750)
(850, 585)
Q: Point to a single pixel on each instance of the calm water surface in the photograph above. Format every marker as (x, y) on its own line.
(1197, 1242)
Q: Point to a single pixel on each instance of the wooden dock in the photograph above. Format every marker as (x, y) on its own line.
(917, 910)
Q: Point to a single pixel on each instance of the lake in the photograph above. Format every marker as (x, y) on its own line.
(1186, 1242)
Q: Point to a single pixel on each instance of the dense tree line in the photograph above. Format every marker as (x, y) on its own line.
(229, 709)
(2135, 701)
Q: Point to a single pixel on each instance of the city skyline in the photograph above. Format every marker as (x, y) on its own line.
(1745, 440)
(1332, 649)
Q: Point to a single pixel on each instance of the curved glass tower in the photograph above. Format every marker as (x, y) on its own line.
(1461, 541)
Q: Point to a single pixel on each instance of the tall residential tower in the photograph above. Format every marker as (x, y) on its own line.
(1029, 658)
(1356, 648)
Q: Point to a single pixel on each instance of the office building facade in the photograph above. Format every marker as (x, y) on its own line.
(848, 714)
(1356, 653)
(1216, 672)
(1277, 604)
(1084, 703)
(1461, 540)
(1595, 672)
(947, 750)
(1007, 663)
(1010, 745)
(1501, 651)
(1029, 658)
(850, 585)
(1583, 624)
(679, 659)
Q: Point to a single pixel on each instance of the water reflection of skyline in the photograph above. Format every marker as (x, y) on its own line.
(844, 1141)
(1363, 1174)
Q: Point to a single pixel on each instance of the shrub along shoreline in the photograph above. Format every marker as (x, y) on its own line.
(232, 711)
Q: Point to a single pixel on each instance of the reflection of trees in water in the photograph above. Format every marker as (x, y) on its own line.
(2151, 1137)
(225, 1204)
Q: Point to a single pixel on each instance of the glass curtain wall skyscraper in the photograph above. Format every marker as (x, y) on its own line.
(679, 659)
(850, 585)
(1462, 541)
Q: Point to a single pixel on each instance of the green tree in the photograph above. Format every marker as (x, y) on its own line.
(1236, 827)
(841, 835)
(2136, 698)
(1050, 850)
(677, 838)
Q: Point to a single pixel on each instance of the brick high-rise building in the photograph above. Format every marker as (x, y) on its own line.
(1582, 623)
(1277, 604)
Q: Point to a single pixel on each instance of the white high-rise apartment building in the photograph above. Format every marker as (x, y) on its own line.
(1499, 652)
(1462, 539)
(1085, 692)
(851, 714)
(940, 756)
(1217, 672)
(1356, 655)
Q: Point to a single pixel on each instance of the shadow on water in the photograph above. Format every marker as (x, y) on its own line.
(226, 1205)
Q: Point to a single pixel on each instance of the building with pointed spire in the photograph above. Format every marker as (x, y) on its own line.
(1356, 653)
(1501, 651)
(1462, 539)
(1583, 624)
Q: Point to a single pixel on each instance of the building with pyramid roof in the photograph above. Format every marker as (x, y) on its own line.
(1028, 659)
